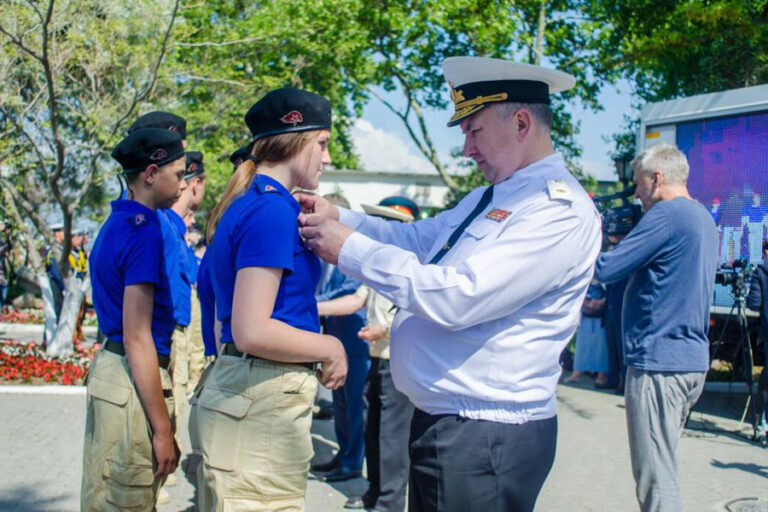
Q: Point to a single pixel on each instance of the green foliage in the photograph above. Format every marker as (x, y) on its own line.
(676, 48)
(73, 73)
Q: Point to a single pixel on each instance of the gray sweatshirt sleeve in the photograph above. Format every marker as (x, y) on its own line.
(638, 249)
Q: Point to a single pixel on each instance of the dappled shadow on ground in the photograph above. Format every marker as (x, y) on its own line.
(27, 498)
(324, 443)
(571, 405)
(189, 467)
(755, 469)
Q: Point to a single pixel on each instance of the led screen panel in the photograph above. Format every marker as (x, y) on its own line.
(728, 160)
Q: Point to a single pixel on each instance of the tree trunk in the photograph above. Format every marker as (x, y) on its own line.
(74, 292)
(49, 310)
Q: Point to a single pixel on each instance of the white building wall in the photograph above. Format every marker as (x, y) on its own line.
(364, 187)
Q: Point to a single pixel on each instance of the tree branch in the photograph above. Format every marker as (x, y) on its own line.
(208, 44)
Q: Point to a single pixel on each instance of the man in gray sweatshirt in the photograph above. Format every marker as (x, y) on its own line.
(670, 258)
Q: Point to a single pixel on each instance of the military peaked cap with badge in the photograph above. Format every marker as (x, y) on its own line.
(240, 155)
(195, 165)
(162, 120)
(477, 82)
(145, 147)
(288, 110)
(394, 207)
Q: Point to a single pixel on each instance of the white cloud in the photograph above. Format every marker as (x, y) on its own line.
(380, 150)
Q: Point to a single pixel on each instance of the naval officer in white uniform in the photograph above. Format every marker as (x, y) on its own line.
(489, 293)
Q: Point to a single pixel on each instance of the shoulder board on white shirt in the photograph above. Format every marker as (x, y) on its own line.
(559, 189)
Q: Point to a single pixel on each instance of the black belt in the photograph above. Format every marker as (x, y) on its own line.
(119, 349)
(229, 349)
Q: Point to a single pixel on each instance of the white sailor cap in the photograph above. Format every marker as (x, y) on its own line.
(476, 82)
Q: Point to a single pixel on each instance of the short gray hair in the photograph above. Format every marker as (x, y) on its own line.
(665, 158)
(541, 112)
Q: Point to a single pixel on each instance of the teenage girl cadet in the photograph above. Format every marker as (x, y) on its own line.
(129, 434)
(255, 408)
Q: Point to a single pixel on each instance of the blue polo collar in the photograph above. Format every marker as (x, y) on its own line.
(265, 185)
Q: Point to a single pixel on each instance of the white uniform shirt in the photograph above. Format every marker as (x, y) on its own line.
(480, 333)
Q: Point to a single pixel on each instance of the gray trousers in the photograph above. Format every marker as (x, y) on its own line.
(657, 406)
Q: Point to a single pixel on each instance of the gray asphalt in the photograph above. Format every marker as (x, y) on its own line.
(41, 444)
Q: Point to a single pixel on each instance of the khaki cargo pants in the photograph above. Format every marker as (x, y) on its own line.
(118, 464)
(180, 368)
(253, 421)
(196, 349)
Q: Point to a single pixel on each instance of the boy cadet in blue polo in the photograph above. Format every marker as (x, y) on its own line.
(129, 438)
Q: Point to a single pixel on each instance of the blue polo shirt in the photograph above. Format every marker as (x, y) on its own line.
(193, 265)
(207, 304)
(260, 229)
(128, 250)
(175, 250)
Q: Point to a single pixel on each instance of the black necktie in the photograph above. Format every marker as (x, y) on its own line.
(484, 201)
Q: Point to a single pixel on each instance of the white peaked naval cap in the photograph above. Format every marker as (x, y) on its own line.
(477, 82)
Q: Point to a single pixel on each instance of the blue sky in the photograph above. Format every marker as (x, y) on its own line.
(384, 145)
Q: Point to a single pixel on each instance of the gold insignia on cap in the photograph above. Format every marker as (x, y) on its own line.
(467, 107)
(457, 96)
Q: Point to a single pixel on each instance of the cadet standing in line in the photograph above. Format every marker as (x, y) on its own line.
(195, 192)
(173, 228)
(255, 409)
(129, 435)
(489, 294)
(208, 325)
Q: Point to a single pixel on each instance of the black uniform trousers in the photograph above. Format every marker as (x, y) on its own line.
(464, 465)
(386, 439)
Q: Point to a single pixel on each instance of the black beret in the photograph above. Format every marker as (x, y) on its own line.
(240, 155)
(195, 165)
(162, 120)
(148, 146)
(288, 110)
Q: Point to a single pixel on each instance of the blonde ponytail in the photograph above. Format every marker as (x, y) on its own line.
(275, 148)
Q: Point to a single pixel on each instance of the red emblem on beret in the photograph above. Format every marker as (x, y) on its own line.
(159, 155)
(173, 128)
(192, 167)
(239, 161)
(293, 117)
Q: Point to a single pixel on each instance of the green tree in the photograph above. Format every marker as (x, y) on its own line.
(227, 54)
(410, 39)
(676, 48)
(73, 74)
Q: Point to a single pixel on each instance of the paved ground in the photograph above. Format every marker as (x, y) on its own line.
(41, 443)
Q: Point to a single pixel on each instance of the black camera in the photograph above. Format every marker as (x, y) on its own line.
(618, 220)
(736, 275)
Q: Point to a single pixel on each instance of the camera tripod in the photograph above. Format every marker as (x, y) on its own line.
(743, 348)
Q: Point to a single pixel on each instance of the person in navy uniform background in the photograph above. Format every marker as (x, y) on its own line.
(255, 408)
(348, 402)
(129, 437)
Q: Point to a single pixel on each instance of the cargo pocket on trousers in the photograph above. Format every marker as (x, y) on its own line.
(298, 388)
(109, 411)
(221, 420)
(129, 487)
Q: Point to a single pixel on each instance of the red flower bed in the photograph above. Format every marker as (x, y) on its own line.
(21, 316)
(28, 363)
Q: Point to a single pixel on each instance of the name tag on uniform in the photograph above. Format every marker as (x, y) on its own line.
(497, 215)
(558, 189)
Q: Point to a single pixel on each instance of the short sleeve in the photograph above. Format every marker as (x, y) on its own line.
(143, 260)
(266, 236)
